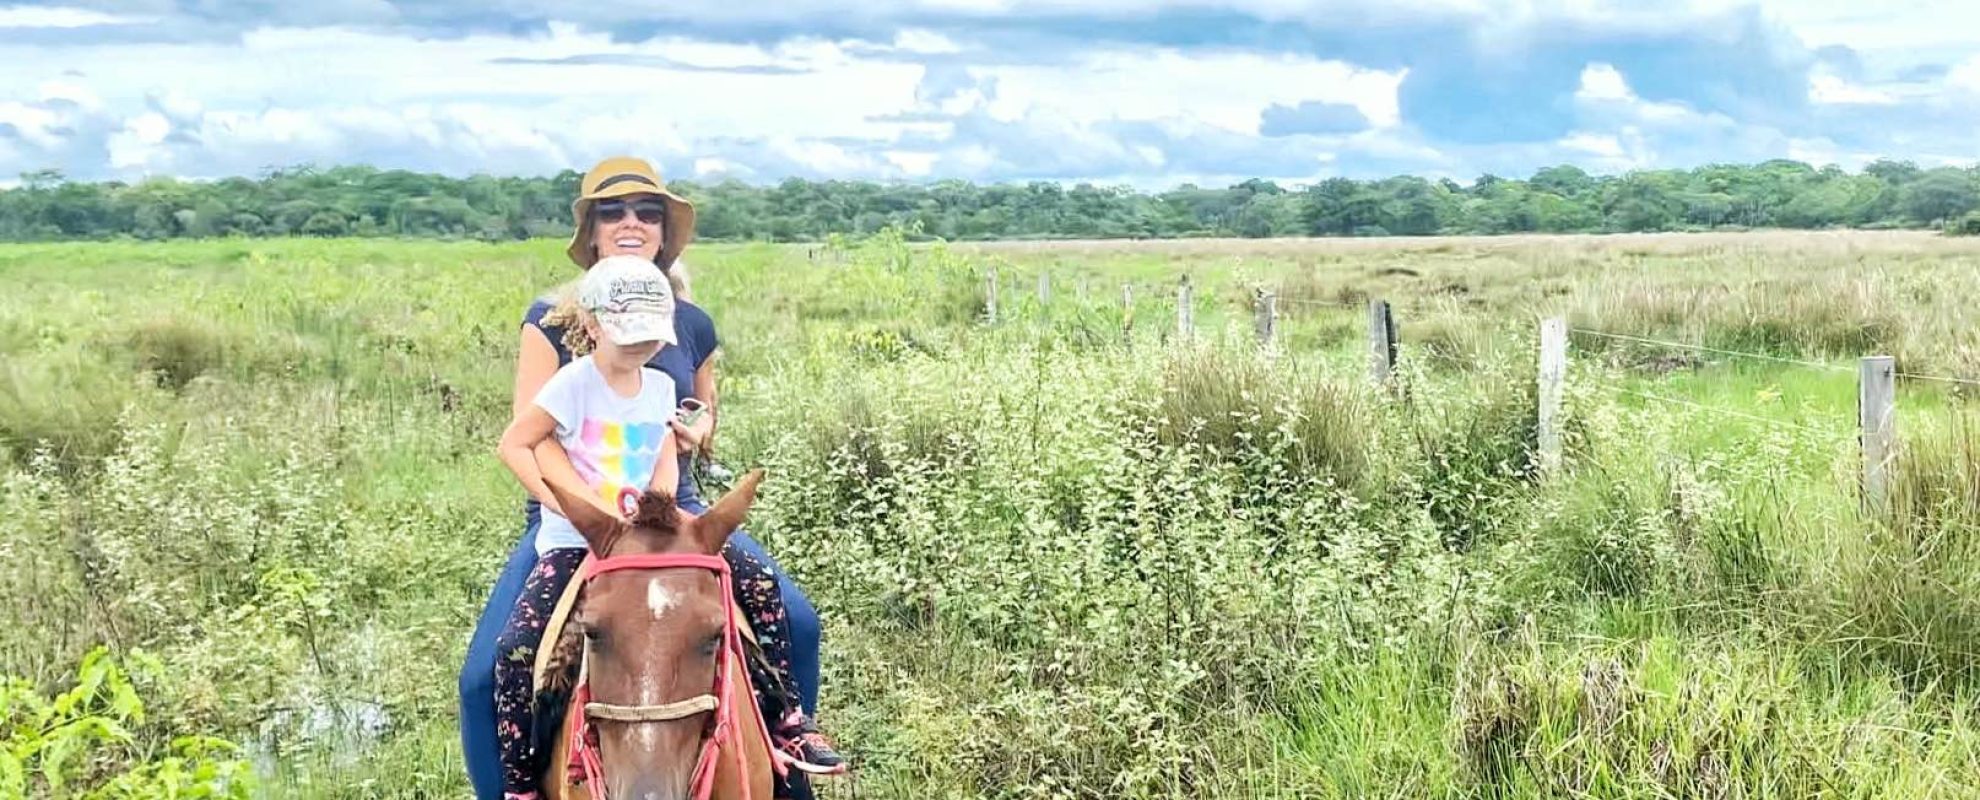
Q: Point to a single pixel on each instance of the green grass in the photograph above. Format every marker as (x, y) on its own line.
(1071, 554)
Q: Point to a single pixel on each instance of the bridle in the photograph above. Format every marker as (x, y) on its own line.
(723, 731)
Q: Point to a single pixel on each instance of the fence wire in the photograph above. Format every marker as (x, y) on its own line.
(1139, 292)
(1286, 301)
(1768, 421)
(1701, 348)
(1939, 379)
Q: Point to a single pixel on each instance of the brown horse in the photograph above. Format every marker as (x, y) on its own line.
(663, 684)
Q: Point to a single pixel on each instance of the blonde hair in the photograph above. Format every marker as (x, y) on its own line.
(566, 313)
(677, 276)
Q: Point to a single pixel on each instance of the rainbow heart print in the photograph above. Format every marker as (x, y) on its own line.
(617, 459)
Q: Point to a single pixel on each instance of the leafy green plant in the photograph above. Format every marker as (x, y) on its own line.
(83, 742)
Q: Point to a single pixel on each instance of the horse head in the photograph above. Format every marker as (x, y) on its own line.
(655, 619)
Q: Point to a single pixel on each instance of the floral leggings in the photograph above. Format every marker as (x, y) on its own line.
(756, 593)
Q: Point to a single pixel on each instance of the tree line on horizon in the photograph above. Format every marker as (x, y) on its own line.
(366, 201)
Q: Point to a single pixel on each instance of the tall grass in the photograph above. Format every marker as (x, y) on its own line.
(1059, 556)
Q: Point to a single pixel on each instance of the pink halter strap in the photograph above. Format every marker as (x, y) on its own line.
(724, 728)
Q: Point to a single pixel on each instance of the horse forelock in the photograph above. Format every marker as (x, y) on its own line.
(655, 522)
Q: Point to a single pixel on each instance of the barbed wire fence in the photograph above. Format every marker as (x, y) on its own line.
(1877, 375)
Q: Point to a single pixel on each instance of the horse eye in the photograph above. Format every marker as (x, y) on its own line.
(710, 645)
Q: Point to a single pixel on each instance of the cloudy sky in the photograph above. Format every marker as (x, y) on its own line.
(1150, 93)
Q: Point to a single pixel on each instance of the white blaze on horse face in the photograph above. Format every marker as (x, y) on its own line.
(659, 598)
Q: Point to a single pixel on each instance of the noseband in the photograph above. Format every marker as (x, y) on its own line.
(723, 732)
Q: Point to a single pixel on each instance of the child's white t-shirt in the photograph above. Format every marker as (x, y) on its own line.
(613, 441)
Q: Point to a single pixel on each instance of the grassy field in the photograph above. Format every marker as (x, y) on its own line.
(1068, 555)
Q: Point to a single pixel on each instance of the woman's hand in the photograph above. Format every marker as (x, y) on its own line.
(694, 437)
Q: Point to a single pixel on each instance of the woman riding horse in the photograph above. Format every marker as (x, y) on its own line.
(624, 208)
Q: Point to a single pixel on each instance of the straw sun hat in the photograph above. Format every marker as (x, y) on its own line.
(620, 176)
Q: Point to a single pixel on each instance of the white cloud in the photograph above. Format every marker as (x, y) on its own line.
(1625, 149)
(175, 103)
(1604, 94)
(1831, 90)
(908, 95)
(1822, 150)
(133, 146)
(1605, 146)
(1603, 82)
(67, 90)
(921, 40)
(913, 163)
(1887, 25)
(823, 158)
(713, 168)
(964, 101)
(1387, 145)
(559, 98)
(1228, 90)
(334, 95)
(39, 126)
(61, 17)
(986, 7)
(1965, 76)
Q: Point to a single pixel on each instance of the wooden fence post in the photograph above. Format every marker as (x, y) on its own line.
(1044, 288)
(1185, 310)
(1381, 341)
(1876, 411)
(1266, 313)
(1127, 314)
(990, 296)
(1553, 373)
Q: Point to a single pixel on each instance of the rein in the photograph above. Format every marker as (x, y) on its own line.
(723, 731)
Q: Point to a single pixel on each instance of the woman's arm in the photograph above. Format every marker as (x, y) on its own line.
(667, 474)
(530, 428)
(536, 361)
(554, 464)
(700, 436)
(666, 468)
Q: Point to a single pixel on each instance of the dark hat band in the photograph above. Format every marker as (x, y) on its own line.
(626, 177)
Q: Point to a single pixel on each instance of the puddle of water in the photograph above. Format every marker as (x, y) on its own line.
(340, 730)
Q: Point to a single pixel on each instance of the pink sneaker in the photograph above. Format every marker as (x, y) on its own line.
(809, 751)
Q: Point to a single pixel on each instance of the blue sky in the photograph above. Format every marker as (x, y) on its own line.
(1148, 93)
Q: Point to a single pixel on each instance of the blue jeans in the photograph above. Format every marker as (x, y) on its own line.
(477, 682)
(804, 626)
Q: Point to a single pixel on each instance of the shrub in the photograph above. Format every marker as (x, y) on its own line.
(86, 742)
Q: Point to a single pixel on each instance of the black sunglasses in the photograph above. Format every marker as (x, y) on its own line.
(650, 212)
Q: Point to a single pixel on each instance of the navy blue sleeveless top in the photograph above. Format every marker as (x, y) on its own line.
(696, 332)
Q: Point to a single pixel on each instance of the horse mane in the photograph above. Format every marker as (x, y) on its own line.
(560, 670)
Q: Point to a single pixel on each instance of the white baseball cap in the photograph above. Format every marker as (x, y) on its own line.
(632, 299)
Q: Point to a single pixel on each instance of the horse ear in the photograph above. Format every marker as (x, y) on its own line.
(712, 529)
(596, 526)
